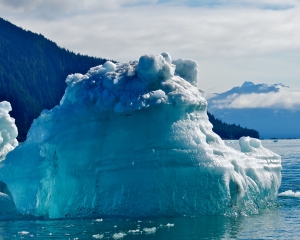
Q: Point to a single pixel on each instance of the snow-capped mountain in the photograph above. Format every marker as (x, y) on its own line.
(273, 110)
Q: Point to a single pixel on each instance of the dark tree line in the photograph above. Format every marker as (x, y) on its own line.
(33, 70)
(230, 131)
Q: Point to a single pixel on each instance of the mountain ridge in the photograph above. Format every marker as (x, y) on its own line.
(34, 69)
(248, 107)
(250, 87)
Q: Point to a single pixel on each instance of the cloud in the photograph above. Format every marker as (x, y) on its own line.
(233, 39)
(283, 99)
(195, 32)
(272, 4)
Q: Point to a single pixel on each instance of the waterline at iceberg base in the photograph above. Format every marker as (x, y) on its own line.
(133, 139)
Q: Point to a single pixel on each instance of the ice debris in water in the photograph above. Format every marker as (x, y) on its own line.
(150, 230)
(78, 158)
(170, 225)
(289, 193)
(134, 231)
(98, 236)
(118, 235)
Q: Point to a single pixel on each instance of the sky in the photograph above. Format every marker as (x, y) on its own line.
(232, 40)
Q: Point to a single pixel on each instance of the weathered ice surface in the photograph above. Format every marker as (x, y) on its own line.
(133, 139)
(8, 141)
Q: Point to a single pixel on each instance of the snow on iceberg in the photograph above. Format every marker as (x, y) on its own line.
(8, 141)
(134, 139)
(8, 130)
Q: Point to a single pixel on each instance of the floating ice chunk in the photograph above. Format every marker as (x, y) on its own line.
(150, 230)
(98, 236)
(137, 231)
(170, 225)
(23, 233)
(289, 193)
(118, 235)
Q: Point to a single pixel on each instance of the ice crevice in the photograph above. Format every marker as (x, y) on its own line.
(133, 139)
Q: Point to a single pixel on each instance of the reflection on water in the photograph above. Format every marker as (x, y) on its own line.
(280, 223)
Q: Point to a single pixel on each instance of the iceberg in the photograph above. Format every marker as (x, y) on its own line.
(8, 142)
(133, 139)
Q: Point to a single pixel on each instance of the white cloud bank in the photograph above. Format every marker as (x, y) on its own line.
(283, 99)
(127, 28)
(233, 41)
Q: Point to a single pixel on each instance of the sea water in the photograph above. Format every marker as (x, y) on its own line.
(279, 223)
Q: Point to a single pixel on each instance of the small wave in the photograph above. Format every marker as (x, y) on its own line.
(289, 193)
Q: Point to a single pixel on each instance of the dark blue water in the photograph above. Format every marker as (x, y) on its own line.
(280, 223)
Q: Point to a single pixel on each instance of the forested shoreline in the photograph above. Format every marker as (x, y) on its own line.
(33, 70)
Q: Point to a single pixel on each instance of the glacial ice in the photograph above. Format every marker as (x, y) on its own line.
(8, 141)
(8, 130)
(133, 139)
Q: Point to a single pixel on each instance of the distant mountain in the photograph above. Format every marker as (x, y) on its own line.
(250, 87)
(33, 70)
(273, 110)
